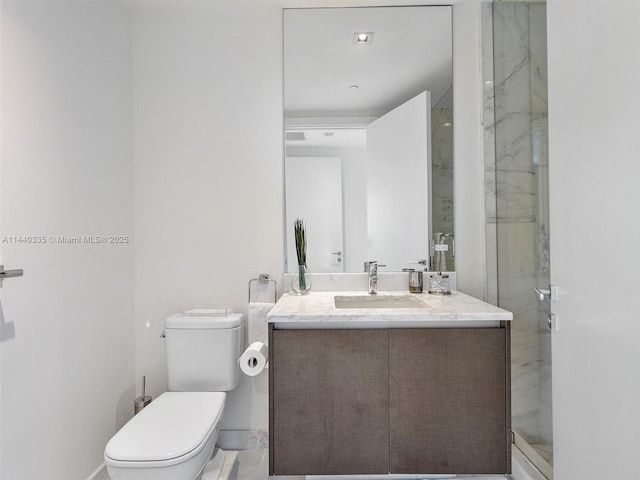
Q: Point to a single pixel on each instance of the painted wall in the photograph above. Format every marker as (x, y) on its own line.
(354, 198)
(208, 167)
(594, 105)
(207, 175)
(67, 374)
(208, 172)
(468, 174)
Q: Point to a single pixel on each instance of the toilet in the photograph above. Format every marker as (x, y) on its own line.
(174, 437)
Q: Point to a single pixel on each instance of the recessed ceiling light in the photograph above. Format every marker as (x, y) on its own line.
(353, 87)
(362, 38)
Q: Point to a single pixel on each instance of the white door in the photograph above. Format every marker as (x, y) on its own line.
(594, 176)
(314, 194)
(399, 185)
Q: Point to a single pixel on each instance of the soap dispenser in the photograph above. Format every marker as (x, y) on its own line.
(439, 284)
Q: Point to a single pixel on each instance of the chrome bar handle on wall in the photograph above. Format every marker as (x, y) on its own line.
(18, 272)
(543, 292)
(551, 292)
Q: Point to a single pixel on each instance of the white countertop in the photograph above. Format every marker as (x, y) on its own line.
(317, 310)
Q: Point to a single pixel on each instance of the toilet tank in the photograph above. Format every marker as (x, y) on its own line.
(203, 352)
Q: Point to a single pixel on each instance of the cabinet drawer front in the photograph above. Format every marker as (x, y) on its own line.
(330, 401)
(448, 395)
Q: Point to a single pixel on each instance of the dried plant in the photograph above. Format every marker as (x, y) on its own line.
(301, 241)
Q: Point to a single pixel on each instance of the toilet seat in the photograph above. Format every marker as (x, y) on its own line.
(173, 429)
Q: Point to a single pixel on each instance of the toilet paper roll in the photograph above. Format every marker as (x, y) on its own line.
(254, 359)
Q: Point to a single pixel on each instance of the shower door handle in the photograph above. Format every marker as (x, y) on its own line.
(551, 292)
(543, 292)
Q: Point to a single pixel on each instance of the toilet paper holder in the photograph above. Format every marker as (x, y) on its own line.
(255, 359)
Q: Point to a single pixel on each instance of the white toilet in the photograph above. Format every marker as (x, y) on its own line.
(174, 437)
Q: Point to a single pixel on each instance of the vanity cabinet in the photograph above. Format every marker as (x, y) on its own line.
(329, 402)
(449, 400)
(378, 401)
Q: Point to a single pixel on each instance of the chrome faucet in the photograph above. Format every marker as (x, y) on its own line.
(373, 276)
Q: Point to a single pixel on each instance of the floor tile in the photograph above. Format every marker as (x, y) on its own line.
(253, 464)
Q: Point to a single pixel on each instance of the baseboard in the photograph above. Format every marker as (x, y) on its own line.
(100, 473)
(243, 439)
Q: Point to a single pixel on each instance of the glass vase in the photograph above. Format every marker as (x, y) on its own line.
(300, 282)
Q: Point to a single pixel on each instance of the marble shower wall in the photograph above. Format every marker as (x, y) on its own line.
(516, 196)
(442, 172)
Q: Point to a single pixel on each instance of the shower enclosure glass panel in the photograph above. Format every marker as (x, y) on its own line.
(522, 217)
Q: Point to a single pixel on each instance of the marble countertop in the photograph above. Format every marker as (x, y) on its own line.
(317, 309)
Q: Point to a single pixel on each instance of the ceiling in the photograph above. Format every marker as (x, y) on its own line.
(329, 137)
(411, 52)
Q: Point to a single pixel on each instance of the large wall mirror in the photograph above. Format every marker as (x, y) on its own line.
(368, 106)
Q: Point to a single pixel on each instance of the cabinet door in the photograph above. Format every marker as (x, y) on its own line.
(329, 397)
(449, 401)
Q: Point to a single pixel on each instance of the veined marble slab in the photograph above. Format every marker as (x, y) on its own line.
(342, 282)
(318, 310)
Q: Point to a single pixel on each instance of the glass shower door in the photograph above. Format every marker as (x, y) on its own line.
(522, 216)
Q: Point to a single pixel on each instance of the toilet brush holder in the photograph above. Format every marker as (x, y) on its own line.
(142, 401)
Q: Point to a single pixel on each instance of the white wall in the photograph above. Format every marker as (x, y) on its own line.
(354, 198)
(468, 177)
(67, 375)
(208, 166)
(207, 175)
(594, 120)
(208, 171)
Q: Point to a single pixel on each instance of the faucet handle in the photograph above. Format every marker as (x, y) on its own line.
(372, 264)
(424, 262)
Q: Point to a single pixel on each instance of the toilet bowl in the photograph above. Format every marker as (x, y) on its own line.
(174, 437)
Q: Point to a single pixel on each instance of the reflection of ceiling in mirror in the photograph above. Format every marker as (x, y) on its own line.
(411, 52)
(330, 137)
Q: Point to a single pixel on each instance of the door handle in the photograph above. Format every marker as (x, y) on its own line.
(551, 292)
(339, 254)
(18, 272)
(543, 292)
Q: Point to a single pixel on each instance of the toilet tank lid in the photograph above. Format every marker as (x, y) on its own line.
(204, 322)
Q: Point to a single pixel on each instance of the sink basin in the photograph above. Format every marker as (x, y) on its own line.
(378, 301)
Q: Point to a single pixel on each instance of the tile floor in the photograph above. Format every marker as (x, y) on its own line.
(253, 464)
